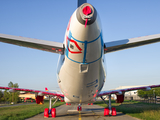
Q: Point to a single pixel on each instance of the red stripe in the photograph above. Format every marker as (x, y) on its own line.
(74, 52)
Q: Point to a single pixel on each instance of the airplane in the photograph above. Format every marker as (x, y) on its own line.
(81, 71)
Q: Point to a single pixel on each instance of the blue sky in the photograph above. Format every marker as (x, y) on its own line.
(47, 20)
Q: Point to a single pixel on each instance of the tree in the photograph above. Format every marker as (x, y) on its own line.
(7, 96)
(10, 84)
(11, 96)
(1, 96)
(157, 91)
(142, 94)
(151, 93)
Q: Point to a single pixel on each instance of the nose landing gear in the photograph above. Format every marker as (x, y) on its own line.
(79, 108)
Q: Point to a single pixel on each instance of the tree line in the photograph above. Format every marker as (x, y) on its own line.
(151, 93)
(7, 96)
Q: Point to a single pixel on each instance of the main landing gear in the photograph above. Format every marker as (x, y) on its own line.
(68, 103)
(90, 103)
(109, 110)
(51, 110)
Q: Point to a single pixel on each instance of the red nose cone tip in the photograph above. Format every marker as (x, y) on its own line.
(87, 10)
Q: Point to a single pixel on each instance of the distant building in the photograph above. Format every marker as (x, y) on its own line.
(24, 95)
(130, 95)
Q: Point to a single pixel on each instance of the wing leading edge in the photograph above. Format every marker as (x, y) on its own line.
(120, 91)
(49, 46)
(130, 43)
(35, 91)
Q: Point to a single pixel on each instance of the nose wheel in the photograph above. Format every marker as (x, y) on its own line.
(79, 108)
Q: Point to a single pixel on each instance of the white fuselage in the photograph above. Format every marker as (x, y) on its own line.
(81, 70)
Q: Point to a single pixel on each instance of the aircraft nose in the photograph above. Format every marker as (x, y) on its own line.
(86, 14)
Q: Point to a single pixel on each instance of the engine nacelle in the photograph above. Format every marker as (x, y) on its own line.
(39, 99)
(120, 98)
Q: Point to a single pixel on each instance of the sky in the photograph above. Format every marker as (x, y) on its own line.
(48, 19)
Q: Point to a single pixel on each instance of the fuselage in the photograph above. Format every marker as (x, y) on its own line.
(81, 70)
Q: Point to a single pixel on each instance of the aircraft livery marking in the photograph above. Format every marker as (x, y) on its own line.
(70, 37)
(73, 41)
(92, 83)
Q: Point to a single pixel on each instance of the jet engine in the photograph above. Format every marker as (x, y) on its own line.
(39, 98)
(120, 98)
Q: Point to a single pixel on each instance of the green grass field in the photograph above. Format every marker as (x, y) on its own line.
(144, 111)
(24, 111)
(136, 109)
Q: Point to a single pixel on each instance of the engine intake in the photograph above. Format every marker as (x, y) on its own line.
(120, 98)
(39, 99)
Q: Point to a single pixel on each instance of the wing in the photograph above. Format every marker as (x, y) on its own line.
(50, 46)
(35, 91)
(130, 43)
(120, 91)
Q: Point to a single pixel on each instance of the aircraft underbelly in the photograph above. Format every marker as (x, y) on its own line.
(80, 86)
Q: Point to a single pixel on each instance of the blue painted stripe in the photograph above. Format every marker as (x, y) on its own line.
(74, 60)
(93, 82)
(85, 41)
(85, 48)
(84, 63)
(102, 43)
(95, 39)
(85, 51)
(69, 36)
(77, 40)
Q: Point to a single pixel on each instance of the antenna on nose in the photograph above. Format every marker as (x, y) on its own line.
(80, 2)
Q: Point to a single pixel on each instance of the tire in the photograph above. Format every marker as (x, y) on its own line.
(114, 113)
(53, 112)
(46, 112)
(106, 111)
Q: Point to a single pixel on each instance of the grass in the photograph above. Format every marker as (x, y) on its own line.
(24, 111)
(144, 111)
